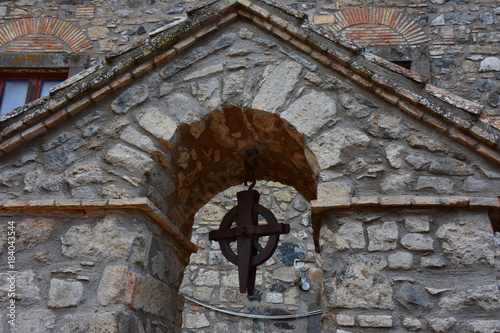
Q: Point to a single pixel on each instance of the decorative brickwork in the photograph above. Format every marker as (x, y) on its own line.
(375, 26)
(87, 12)
(43, 34)
(35, 43)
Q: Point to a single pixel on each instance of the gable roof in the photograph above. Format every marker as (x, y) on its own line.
(458, 118)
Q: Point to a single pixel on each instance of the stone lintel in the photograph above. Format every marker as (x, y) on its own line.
(407, 201)
(67, 205)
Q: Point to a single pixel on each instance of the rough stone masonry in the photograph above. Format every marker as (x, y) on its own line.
(104, 178)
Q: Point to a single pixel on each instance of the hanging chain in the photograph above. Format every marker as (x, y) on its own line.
(250, 167)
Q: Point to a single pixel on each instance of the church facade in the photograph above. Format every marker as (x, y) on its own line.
(391, 148)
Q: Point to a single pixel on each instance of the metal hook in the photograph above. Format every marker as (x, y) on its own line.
(250, 166)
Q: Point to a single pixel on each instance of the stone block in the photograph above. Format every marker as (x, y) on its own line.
(130, 98)
(274, 298)
(375, 321)
(328, 146)
(356, 106)
(204, 293)
(212, 213)
(196, 320)
(393, 154)
(26, 290)
(277, 83)
(207, 278)
(490, 64)
(106, 240)
(151, 295)
(395, 183)
(292, 297)
(63, 294)
(332, 190)
(350, 236)
(417, 223)
(184, 107)
(158, 124)
(133, 137)
(417, 242)
(310, 112)
(227, 295)
(358, 283)
(92, 322)
(442, 324)
(33, 231)
(34, 321)
(384, 126)
(485, 298)
(401, 260)
(114, 286)
(97, 32)
(84, 174)
(467, 242)
(130, 159)
(449, 166)
(409, 296)
(345, 320)
(412, 324)
(382, 237)
(285, 274)
(283, 195)
(206, 71)
(221, 328)
(432, 262)
(484, 326)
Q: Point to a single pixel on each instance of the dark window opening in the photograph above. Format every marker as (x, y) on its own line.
(405, 64)
(18, 89)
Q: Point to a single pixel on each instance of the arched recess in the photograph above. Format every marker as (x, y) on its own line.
(378, 26)
(208, 157)
(211, 280)
(44, 34)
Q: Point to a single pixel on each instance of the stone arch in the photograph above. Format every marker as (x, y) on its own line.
(44, 34)
(378, 26)
(207, 157)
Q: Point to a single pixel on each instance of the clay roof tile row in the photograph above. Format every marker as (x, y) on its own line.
(368, 70)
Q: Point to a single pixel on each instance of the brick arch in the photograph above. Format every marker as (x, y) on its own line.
(46, 34)
(378, 26)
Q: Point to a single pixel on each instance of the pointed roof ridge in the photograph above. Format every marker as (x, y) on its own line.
(459, 118)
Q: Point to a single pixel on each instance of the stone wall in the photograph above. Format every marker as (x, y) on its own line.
(94, 272)
(458, 47)
(411, 270)
(210, 278)
(120, 132)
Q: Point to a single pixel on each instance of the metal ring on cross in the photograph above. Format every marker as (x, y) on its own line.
(263, 253)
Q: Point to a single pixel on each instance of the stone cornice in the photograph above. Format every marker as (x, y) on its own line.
(404, 201)
(99, 205)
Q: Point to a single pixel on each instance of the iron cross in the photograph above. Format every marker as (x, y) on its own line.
(247, 232)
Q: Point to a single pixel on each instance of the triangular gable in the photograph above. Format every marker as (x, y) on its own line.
(458, 118)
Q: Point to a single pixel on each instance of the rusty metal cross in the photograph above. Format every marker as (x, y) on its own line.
(247, 232)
